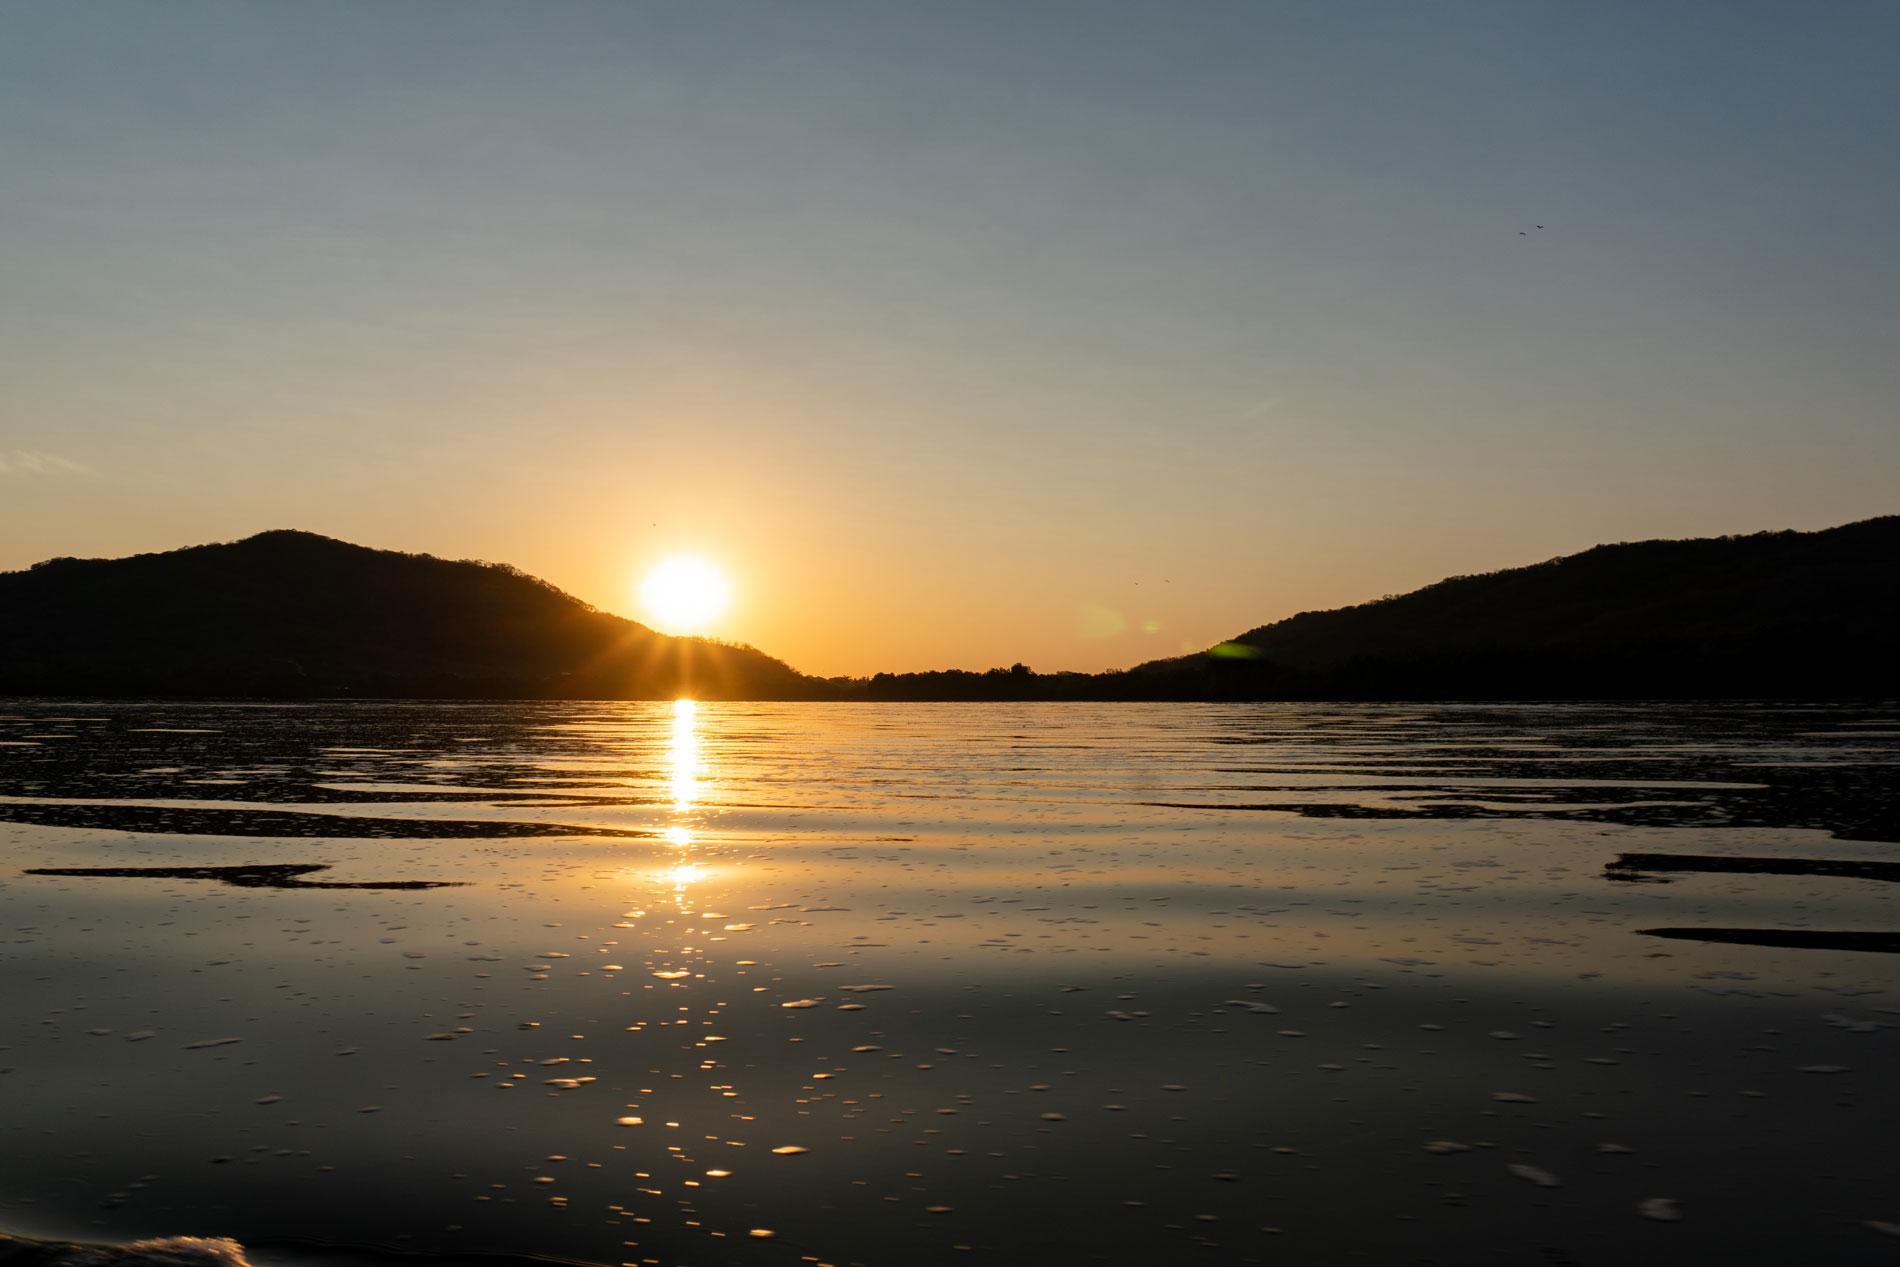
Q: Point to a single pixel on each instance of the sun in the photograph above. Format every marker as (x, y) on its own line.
(685, 594)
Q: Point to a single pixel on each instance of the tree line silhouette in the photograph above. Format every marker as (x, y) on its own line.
(294, 615)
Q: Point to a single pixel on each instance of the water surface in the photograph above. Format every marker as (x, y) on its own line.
(630, 983)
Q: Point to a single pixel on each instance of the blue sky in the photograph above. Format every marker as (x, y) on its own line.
(959, 334)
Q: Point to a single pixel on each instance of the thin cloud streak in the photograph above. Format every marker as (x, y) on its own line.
(35, 462)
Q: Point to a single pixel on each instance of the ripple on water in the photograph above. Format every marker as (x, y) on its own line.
(1148, 982)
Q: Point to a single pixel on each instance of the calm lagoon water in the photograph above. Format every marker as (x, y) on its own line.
(774, 984)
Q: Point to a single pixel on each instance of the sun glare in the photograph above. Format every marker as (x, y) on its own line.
(685, 594)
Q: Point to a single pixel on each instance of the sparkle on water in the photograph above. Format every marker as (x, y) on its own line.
(1123, 984)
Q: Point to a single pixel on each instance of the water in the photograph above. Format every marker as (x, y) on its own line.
(629, 983)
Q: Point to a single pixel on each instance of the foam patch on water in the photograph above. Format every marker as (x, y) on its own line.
(164, 1251)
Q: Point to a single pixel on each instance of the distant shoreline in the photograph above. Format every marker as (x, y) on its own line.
(1866, 700)
(289, 615)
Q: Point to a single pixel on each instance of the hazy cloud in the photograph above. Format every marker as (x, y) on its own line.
(34, 462)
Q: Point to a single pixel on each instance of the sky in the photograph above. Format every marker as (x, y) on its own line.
(962, 334)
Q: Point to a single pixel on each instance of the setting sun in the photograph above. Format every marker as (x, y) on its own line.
(684, 594)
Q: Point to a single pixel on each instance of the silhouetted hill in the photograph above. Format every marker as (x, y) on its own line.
(1775, 613)
(296, 614)
(1813, 614)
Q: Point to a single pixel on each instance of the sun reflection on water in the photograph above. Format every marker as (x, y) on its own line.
(685, 768)
(841, 942)
(683, 755)
(682, 877)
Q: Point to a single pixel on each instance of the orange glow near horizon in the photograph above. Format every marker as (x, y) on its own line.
(892, 338)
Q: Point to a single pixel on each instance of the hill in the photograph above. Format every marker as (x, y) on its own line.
(295, 614)
(1770, 614)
